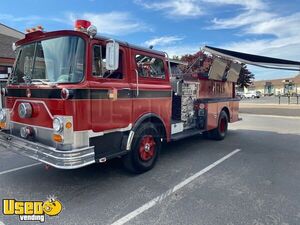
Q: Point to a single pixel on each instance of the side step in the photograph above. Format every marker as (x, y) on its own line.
(185, 134)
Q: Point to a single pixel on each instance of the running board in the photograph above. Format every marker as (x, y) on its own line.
(185, 134)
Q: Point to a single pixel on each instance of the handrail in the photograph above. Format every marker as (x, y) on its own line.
(137, 82)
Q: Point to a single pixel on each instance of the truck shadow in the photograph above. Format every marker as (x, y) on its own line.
(177, 159)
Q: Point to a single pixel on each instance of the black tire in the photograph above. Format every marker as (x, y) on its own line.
(135, 161)
(221, 131)
(206, 134)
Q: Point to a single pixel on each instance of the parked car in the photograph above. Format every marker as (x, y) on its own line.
(239, 94)
(251, 94)
(258, 94)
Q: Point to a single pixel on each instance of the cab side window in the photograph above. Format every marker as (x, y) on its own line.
(150, 67)
(99, 61)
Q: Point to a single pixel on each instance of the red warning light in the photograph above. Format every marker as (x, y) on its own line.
(82, 24)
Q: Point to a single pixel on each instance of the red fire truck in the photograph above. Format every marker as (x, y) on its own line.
(75, 98)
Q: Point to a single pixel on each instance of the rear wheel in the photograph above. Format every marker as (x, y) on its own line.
(221, 131)
(145, 149)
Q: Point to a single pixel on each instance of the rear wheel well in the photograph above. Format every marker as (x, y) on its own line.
(225, 109)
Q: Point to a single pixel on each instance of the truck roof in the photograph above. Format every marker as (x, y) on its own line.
(41, 34)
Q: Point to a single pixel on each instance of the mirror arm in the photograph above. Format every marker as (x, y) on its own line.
(169, 64)
(111, 40)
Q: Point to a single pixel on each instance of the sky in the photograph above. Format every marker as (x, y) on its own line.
(264, 27)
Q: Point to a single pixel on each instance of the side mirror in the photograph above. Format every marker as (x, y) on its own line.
(112, 55)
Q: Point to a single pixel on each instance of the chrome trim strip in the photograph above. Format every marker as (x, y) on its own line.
(129, 140)
(97, 134)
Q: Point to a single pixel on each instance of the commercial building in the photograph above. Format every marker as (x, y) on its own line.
(283, 86)
(7, 56)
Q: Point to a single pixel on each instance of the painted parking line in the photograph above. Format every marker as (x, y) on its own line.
(177, 187)
(18, 168)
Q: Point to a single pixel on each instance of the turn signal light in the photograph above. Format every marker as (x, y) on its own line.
(68, 125)
(2, 125)
(57, 138)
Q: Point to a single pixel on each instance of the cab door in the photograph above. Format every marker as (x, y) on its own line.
(111, 101)
(150, 80)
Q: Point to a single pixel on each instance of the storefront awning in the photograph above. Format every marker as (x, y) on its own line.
(256, 60)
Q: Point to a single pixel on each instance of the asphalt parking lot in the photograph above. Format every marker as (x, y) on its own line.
(252, 177)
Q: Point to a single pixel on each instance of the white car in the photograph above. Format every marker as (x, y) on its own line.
(250, 94)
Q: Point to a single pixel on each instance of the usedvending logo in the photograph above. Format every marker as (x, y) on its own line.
(31, 210)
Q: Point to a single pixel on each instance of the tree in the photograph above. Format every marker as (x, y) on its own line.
(246, 77)
(199, 64)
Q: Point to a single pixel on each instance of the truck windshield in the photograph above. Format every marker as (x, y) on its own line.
(57, 60)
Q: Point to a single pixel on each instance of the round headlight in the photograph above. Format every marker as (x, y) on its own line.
(2, 115)
(58, 124)
(25, 110)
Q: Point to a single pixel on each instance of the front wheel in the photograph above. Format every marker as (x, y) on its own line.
(145, 149)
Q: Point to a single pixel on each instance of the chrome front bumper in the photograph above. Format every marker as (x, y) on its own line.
(72, 159)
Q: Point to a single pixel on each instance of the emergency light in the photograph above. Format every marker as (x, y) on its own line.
(86, 27)
(82, 24)
(34, 29)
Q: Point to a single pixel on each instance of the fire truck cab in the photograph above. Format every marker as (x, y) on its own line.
(75, 98)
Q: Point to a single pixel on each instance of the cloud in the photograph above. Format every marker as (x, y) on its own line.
(163, 41)
(251, 12)
(279, 26)
(174, 8)
(19, 19)
(112, 23)
(247, 5)
(284, 40)
(247, 18)
(26, 20)
(194, 8)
